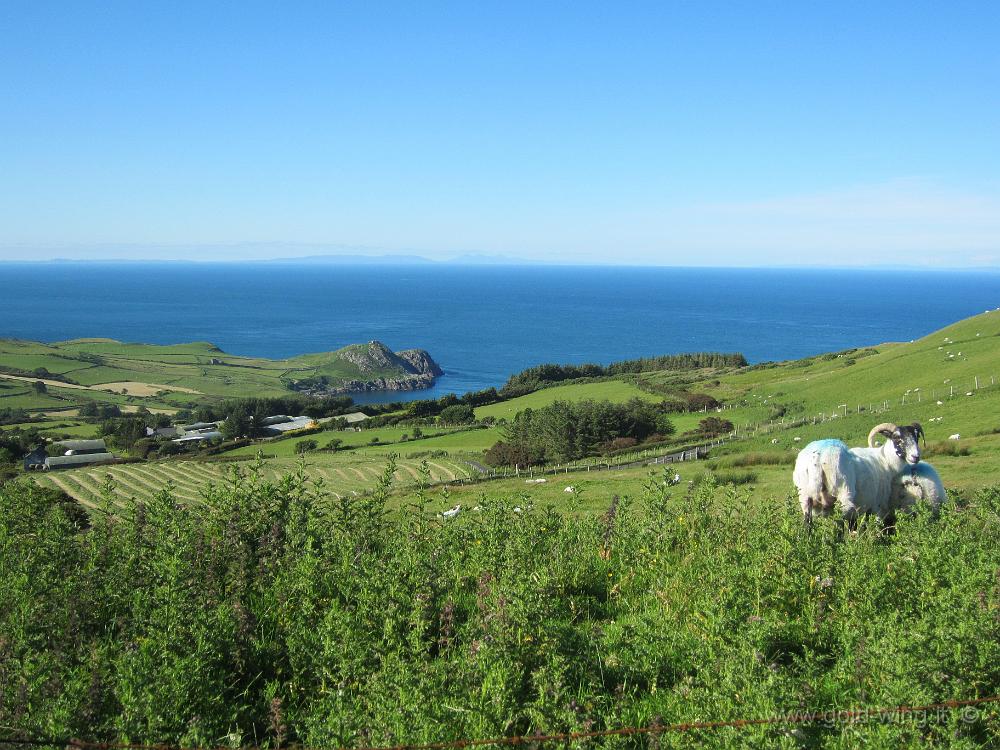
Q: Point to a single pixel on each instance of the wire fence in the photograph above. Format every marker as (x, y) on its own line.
(741, 432)
(829, 717)
(938, 396)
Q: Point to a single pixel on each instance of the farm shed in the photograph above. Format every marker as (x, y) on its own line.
(286, 425)
(84, 459)
(165, 432)
(198, 427)
(81, 447)
(354, 416)
(276, 419)
(197, 437)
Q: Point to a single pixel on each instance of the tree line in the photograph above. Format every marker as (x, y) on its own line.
(533, 378)
(570, 430)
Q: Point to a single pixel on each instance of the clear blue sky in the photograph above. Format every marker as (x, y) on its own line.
(691, 133)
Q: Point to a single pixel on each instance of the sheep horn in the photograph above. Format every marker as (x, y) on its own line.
(877, 429)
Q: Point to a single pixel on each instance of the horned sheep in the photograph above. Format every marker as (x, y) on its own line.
(859, 480)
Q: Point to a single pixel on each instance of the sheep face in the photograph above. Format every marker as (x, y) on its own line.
(905, 441)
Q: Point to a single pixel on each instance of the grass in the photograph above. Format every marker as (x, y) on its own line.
(612, 390)
(388, 438)
(282, 607)
(467, 441)
(271, 614)
(199, 366)
(823, 384)
(341, 475)
(802, 387)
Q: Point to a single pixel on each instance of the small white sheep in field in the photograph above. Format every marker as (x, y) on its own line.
(451, 512)
(956, 436)
(859, 480)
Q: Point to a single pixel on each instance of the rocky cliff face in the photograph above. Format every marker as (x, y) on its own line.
(373, 357)
(408, 370)
(408, 383)
(420, 362)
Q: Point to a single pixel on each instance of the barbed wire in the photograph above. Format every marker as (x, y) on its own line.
(813, 717)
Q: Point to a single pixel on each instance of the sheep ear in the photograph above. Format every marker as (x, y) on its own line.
(886, 431)
(919, 431)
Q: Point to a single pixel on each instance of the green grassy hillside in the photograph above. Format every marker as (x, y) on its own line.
(623, 602)
(340, 475)
(939, 366)
(776, 408)
(612, 390)
(173, 376)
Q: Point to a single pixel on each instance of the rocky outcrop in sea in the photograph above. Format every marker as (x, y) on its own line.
(416, 368)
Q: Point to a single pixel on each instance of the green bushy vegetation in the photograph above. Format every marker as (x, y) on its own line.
(272, 615)
(570, 430)
(541, 376)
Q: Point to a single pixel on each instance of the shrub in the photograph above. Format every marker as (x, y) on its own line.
(947, 448)
(508, 454)
(270, 615)
(304, 446)
(714, 426)
(758, 458)
(428, 454)
(618, 444)
(457, 414)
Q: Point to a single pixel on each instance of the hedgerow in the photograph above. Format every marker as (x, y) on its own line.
(272, 614)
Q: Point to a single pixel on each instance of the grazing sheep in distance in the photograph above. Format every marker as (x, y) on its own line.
(859, 480)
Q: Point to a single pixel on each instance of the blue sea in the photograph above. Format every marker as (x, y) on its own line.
(481, 323)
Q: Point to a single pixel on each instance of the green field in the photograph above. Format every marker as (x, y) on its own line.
(591, 600)
(612, 390)
(662, 607)
(814, 390)
(824, 384)
(466, 441)
(174, 376)
(341, 475)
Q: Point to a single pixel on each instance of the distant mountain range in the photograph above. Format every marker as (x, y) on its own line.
(347, 259)
(472, 259)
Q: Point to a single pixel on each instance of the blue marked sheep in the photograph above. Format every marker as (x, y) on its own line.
(858, 480)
